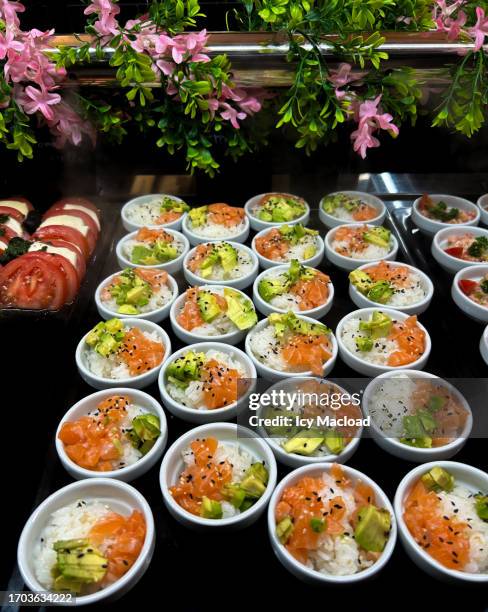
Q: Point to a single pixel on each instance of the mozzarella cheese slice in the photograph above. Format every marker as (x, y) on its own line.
(48, 248)
(20, 206)
(3, 245)
(15, 226)
(84, 209)
(68, 221)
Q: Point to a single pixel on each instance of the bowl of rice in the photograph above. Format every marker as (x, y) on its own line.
(456, 248)
(234, 458)
(272, 209)
(137, 293)
(206, 382)
(417, 416)
(114, 352)
(431, 213)
(372, 341)
(350, 245)
(313, 528)
(342, 207)
(216, 222)
(153, 247)
(221, 263)
(158, 209)
(282, 244)
(136, 435)
(441, 510)
(393, 284)
(469, 291)
(70, 514)
(482, 203)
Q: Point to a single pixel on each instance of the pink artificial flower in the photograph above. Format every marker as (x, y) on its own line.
(106, 11)
(9, 12)
(67, 126)
(166, 67)
(189, 46)
(213, 106)
(163, 43)
(369, 121)
(363, 139)
(8, 42)
(480, 29)
(231, 114)
(342, 77)
(40, 100)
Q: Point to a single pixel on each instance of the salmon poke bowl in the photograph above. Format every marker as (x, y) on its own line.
(271, 209)
(154, 209)
(319, 421)
(431, 213)
(212, 312)
(117, 433)
(144, 293)
(216, 222)
(218, 476)
(330, 523)
(221, 263)
(347, 246)
(280, 245)
(294, 287)
(455, 248)
(206, 382)
(373, 341)
(393, 284)
(417, 416)
(289, 346)
(470, 292)
(442, 514)
(92, 539)
(351, 207)
(153, 247)
(122, 353)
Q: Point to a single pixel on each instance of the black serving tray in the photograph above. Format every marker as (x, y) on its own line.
(209, 570)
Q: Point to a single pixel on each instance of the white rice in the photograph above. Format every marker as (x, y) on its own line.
(390, 402)
(129, 245)
(412, 293)
(267, 349)
(286, 301)
(192, 396)
(297, 251)
(70, 522)
(370, 253)
(243, 268)
(145, 213)
(111, 367)
(240, 460)
(217, 231)
(159, 298)
(461, 500)
(382, 347)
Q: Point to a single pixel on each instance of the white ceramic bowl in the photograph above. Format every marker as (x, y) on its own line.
(483, 204)
(135, 382)
(154, 315)
(233, 337)
(467, 475)
(371, 369)
(173, 465)
(439, 243)
(294, 460)
(484, 345)
(462, 301)
(171, 266)
(308, 574)
(236, 283)
(195, 238)
(411, 453)
(330, 221)
(122, 498)
(207, 416)
(266, 263)
(362, 301)
(130, 226)
(258, 225)
(266, 308)
(89, 404)
(274, 375)
(349, 263)
(430, 227)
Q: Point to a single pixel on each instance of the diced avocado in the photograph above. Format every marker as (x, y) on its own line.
(127, 309)
(306, 442)
(112, 326)
(373, 528)
(420, 442)
(380, 236)
(186, 368)
(335, 442)
(278, 321)
(309, 251)
(265, 215)
(145, 431)
(378, 326)
(82, 563)
(269, 288)
(246, 504)
(329, 205)
(436, 402)
(364, 343)
(234, 494)
(297, 271)
(438, 479)
(208, 305)
(66, 584)
(481, 506)
(163, 251)
(295, 324)
(70, 544)
(95, 334)
(210, 508)
(259, 470)
(253, 486)
(228, 256)
(380, 292)
(198, 216)
(286, 428)
(284, 529)
(280, 208)
(240, 309)
(143, 256)
(172, 204)
(427, 420)
(207, 265)
(361, 280)
(107, 345)
(318, 524)
(137, 296)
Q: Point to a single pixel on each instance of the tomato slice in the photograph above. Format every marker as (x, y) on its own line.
(92, 234)
(6, 234)
(63, 232)
(12, 212)
(78, 202)
(57, 243)
(454, 251)
(66, 267)
(467, 286)
(15, 199)
(32, 282)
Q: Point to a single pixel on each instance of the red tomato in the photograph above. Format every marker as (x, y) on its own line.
(63, 232)
(63, 244)
(467, 286)
(12, 212)
(6, 234)
(6, 201)
(66, 210)
(78, 201)
(92, 234)
(32, 282)
(454, 251)
(66, 267)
